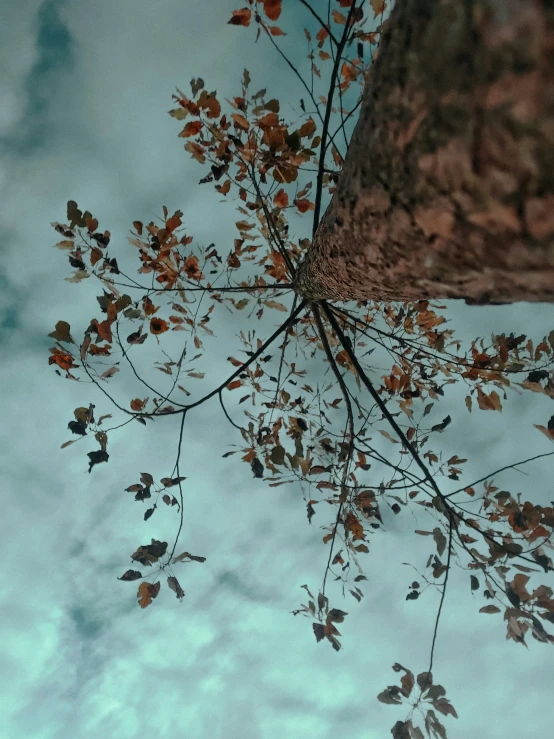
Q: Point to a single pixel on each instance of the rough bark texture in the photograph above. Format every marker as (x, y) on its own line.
(447, 189)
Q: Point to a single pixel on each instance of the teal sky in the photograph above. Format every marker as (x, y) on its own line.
(85, 91)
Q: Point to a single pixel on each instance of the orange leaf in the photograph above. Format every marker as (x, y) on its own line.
(191, 129)
(158, 326)
(91, 224)
(105, 331)
(224, 188)
(146, 592)
(281, 199)
(148, 306)
(547, 432)
(276, 31)
(95, 255)
(64, 361)
(378, 6)
(241, 17)
(173, 223)
(339, 18)
(321, 35)
(240, 121)
(307, 128)
(538, 532)
(354, 526)
(304, 205)
(272, 8)
(137, 404)
(233, 385)
(196, 151)
(488, 402)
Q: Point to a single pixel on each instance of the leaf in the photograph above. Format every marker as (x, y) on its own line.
(234, 385)
(149, 512)
(62, 332)
(378, 6)
(352, 524)
(240, 121)
(445, 707)
(304, 205)
(549, 433)
(97, 457)
(281, 199)
(442, 425)
(277, 306)
(339, 18)
(440, 540)
(425, 680)
(391, 696)
(489, 609)
(187, 555)
(241, 17)
(174, 585)
(277, 455)
(130, 575)
(272, 8)
(488, 402)
(191, 129)
(474, 583)
(257, 467)
(146, 592)
(158, 325)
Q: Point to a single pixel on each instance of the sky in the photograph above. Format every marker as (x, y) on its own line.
(85, 93)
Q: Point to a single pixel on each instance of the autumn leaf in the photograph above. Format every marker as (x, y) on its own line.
(549, 433)
(97, 457)
(241, 17)
(304, 205)
(281, 199)
(277, 455)
(130, 575)
(146, 592)
(240, 121)
(174, 585)
(489, 609)
(440, 540)
(105, 331)
(257, 467)
(64, 361)
(191, 129)
(352, 524)
(488, 402)
(378, 6)
(272, 8)
(158, 326)
(277, 306)
(62, 332)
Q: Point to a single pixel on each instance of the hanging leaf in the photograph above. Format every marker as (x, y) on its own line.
(241, 17)
(146, 592)
(174, 585)
(130, 575)
(62, 332)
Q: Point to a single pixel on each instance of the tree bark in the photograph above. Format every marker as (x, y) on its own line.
(447, 190)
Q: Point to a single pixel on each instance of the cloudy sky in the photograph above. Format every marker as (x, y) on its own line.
(85, 92)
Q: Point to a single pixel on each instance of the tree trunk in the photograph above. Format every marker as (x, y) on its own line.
(447, 190)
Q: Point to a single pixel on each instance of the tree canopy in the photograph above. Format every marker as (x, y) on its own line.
(341, 398)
